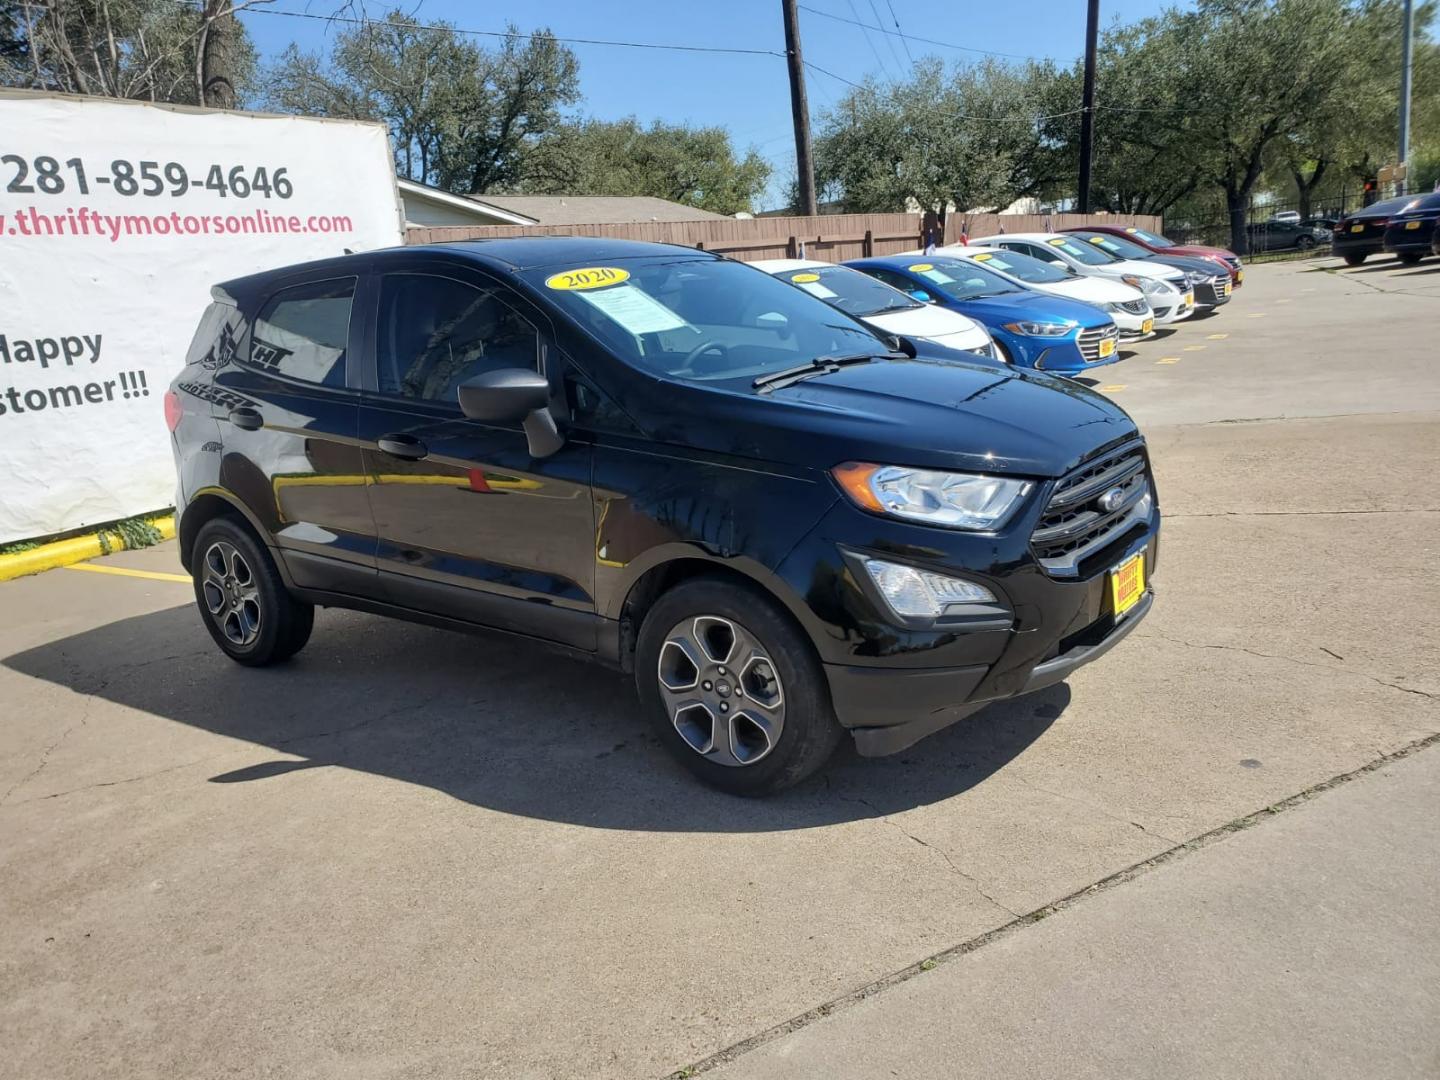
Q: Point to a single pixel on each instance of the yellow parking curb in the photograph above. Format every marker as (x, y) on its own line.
(74, 549)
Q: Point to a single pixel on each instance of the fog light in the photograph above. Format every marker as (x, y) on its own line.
(919, 594)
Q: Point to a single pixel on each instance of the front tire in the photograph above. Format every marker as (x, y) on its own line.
(733, 688)
(1354, 260)
(242, 598)
(1304, 243)
(1410, 258)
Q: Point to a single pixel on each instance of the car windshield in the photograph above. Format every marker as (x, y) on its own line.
(1384, 207)
(1153, 239)
(1121, 249)
(1080, 251)
(701, 319)
(1028, 269)
(961, 279)
(849, 290)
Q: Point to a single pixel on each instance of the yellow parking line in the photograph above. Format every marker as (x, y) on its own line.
(1257, 315)
(1285, 301)
(1217, 337)
(125, 571)
(1192, 348)
(1113, 389)
(1168, 360)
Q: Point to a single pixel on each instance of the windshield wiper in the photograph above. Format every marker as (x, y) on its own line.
(821, 365)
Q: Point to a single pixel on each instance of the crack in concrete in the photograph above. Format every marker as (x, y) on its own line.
(1120, 877)
(1289, 659)
(279, 744)
(888, 820)
(1092, 806)
(45, 754)
(1301, 513)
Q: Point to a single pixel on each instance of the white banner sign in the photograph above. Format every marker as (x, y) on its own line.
(116, 217)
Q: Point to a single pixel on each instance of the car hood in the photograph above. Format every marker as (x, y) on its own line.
(1031, 305)
(922, 412)
(1198, 249)
(931, 323)
(1142, 268)
(1094, 290)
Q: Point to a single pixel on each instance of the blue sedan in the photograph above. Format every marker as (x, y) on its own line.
(1031, 329)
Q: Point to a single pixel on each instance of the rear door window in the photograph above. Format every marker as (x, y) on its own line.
(301, 332)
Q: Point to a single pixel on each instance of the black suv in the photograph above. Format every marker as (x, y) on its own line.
(785, 526)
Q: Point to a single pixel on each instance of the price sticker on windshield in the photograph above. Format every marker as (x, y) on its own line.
(805, 279)
(1059, 241)
(588, 277)
(983, 257)
(920, 268)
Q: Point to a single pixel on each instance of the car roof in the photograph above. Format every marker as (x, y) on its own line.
(1384, 206)
(780, 266)
(509, 254)
(1042, 236)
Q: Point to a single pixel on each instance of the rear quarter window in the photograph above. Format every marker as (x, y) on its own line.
(215, 340)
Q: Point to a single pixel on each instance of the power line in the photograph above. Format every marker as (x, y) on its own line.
(888, 43)
(868, 39)
(905, 40)
(500, 33)
(912, 37)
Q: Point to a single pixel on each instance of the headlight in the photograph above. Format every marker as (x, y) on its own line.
(955, 500)
(916, 593)
(1041, 329)
(1193, 279)
(1149, 286)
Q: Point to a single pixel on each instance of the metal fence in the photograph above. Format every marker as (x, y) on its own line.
(1273, 228)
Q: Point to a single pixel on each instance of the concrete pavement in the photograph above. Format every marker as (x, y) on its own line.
(411, 854)
(1302, 947)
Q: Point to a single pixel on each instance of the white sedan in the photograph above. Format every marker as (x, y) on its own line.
(882, 307)
(1124, 303)
(1170, 291)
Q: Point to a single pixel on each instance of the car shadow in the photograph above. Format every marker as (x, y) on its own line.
(491, 721)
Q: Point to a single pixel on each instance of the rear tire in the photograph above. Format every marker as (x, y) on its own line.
(1354, 260)
(1304, 243)
(733, 688)
(242, 597)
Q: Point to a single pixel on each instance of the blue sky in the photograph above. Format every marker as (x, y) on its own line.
(747, 94)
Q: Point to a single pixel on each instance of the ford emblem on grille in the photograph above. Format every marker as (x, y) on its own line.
(1111, 500)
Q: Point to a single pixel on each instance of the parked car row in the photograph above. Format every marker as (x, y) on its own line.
(1407, 227)
(1055, 302)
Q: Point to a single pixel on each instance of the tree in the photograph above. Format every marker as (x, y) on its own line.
(692, 165)
(461, 116)
(153, 50)
(963, 138)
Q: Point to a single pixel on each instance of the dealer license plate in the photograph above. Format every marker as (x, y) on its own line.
(1107, 348)
(1227, 288)
(1127, 584)
(1239, 276)
(1412, 224)
(1147, 326)
(1357, 228)
(1190, 299)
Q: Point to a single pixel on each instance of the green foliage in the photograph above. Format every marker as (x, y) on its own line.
(933, 142)
(693, 165)
(461, 116)
(144, 49)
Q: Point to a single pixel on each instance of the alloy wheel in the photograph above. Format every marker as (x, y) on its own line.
(721, 690)
(232, 595)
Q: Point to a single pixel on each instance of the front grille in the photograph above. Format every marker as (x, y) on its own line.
(1074, 525)
(1135, 307)
(1234, 263)
(1212, 292)
(1090, 340)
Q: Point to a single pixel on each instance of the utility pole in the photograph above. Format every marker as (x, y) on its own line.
(1407, 58)
(799, 107)
(1087, 113)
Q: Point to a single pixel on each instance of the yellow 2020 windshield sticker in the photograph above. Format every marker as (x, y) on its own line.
(587, 277)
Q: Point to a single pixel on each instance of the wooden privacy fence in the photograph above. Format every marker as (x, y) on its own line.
(828, 237)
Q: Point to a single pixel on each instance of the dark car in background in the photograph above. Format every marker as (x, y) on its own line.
(666, 461)
(1211, 283)
(1360, 234)
(1284, 236)
(1412, 228)
(1163, 245)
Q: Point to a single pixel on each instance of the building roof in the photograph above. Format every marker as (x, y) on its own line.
(593, 209)
(443, 207)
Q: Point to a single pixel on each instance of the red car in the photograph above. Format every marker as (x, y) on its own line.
(1162, 246)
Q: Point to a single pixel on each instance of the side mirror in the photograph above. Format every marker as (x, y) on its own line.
(509, 394)
(900, 344)
(1058, 262)
(921, 295)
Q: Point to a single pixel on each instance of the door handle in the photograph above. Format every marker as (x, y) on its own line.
(405, 447)
(247, 419)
